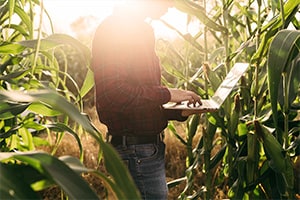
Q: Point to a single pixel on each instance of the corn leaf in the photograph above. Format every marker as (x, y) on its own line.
(25, 19)
(73, 184)
(282, 50)
(114, 165)
(88, 83)
(53, 99)
(13, 185)
(270, 29)
(194, 9)
(11, 48)
(56, 40)
(117, 169)
(11, 6)
(44, 110)
(10, 110)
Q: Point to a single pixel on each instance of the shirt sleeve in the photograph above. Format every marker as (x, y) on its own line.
(174, 115)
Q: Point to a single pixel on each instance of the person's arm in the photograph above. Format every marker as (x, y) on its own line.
(117, 93)
(174, 115)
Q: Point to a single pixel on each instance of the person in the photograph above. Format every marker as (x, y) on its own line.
(129, 94)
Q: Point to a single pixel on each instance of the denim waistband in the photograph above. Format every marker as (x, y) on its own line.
(126, 140)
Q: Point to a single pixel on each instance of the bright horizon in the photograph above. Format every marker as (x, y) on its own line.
(64, 12)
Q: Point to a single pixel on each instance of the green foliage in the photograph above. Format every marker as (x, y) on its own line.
(38, 94)
(122, 186)
(283, 60)
(258, 123)
(48, 170)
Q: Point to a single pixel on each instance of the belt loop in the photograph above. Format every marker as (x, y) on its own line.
(124, 143)
(160, 137)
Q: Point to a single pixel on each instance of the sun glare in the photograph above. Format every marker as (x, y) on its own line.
(65, 12)
(176, 19)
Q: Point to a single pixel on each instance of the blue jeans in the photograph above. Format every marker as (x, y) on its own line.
(146, 164)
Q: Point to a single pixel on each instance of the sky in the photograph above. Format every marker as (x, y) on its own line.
(74, 8)
(64, 12)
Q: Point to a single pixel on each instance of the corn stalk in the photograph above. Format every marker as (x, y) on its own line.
(246, 119)
(36, 97)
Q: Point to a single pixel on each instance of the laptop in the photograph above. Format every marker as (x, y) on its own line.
(215, 102)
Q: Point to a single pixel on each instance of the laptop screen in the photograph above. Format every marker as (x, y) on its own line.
(229, 82)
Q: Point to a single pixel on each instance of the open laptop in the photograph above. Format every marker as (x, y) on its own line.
(215, 102)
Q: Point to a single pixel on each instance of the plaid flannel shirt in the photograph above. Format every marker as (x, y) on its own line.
(129, 94)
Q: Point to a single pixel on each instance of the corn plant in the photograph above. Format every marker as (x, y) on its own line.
(35, 97)
(257, 124)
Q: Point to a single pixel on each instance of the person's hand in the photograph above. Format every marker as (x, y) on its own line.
(178, 95)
